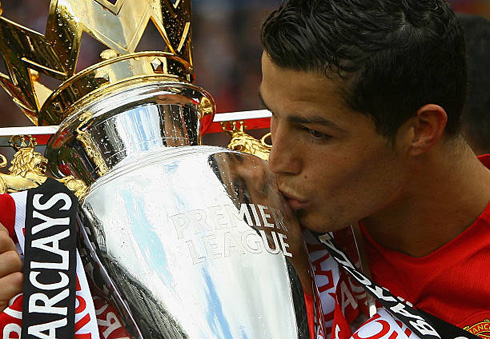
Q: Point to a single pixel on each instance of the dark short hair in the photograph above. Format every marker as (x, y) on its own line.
(398, 54)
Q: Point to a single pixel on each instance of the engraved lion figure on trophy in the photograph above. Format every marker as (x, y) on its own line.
(28, 169)
(243, 142)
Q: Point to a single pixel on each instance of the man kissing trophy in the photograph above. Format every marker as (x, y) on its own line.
(186, 241)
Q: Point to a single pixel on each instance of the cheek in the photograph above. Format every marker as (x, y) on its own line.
(348, 178)
(331, 186)
(377, 182)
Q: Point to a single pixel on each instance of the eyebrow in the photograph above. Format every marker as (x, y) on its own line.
(261, 98)
(303, 120)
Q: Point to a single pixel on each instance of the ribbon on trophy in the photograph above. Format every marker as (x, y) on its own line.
(56, 302)
(50, 262)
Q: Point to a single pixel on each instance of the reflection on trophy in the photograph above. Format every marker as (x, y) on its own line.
(187, 241)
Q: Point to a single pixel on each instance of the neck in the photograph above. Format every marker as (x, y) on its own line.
(444, 197)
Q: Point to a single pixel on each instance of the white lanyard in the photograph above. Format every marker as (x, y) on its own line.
(421, 323)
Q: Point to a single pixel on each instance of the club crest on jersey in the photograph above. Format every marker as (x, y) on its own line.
(481, 329)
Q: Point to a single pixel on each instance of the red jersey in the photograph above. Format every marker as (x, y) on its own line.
(451, 283)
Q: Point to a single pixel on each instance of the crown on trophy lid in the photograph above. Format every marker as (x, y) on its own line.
(22, 141)
(119, 26)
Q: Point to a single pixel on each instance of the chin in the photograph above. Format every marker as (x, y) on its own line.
(318, 224)
(313, 225)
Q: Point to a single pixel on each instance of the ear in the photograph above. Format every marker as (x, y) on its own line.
(428, 128)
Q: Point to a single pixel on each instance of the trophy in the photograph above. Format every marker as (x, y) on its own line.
(187, 241)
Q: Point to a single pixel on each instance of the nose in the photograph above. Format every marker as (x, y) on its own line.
(283, 158)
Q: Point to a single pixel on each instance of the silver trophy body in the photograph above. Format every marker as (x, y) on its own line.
(187, 241)
(191, 241)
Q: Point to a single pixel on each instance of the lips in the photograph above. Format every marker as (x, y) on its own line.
(294, 202)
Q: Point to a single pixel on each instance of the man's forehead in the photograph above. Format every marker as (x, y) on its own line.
(303, 116)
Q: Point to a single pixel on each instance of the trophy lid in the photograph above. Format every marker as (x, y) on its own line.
(120, 26)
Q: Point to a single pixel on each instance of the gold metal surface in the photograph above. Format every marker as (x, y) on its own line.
(118, 26)
(28, 169)
(89, 145)
(243, 142)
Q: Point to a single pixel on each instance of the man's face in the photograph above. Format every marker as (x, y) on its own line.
(331, 164)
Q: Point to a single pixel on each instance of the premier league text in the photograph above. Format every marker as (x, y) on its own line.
(223, 230)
